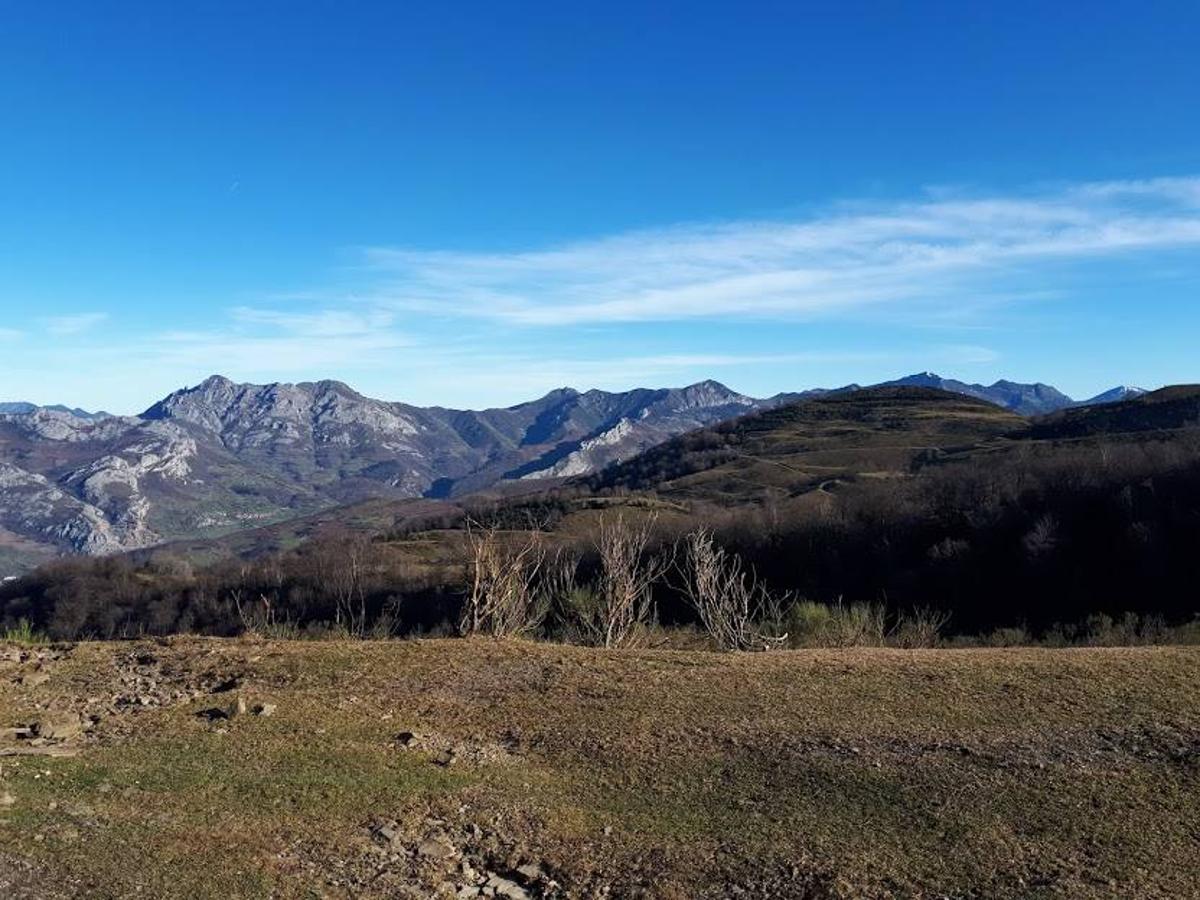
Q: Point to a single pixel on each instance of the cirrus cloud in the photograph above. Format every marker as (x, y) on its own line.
(61, 326)
(851, 260)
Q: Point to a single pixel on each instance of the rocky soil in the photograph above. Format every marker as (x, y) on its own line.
(464, 769)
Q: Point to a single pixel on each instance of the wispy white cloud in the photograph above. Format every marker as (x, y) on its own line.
(470, 329)
(60, 326)
(326, 323)
(851, 260)
(284, 341)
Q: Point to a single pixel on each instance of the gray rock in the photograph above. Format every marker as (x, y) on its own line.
(503, 887)
(385, 834)
(436, 849)
(59, 726)
(531, 873)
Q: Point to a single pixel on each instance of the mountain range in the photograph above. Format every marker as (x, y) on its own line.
(1025, 399)
(19, 407)
(222, 456)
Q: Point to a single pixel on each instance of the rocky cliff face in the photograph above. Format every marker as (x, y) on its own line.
(84, 486)
(223, 455)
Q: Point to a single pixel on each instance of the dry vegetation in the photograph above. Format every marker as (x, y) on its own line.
(420, 768)
(899, 517)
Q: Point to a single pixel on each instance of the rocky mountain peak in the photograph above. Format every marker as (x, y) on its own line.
(713, 393)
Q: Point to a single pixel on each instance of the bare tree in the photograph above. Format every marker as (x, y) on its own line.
(342, 568)
(627, 576)
(732, 603)
(503, 600)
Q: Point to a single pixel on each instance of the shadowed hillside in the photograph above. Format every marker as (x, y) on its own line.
(895, 499)
(1168, 409)
(876, 432)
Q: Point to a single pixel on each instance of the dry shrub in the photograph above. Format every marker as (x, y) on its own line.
(920, 628)
(1014, 636)
(837, 625)
(628, 572)
(730, 600)
(503, 600)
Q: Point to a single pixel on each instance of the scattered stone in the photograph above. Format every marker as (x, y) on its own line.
(58, 726)
(436, 849)
(7, 799)
(385, 834)
(531, 873)
(446, 758)
(503, 887)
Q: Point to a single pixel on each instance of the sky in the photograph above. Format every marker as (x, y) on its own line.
(470, 204)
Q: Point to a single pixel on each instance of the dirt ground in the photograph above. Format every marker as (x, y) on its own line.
(473, 768)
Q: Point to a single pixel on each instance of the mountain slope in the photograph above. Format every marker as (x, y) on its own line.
(1114, 395)
(1024, 399)
(1167, 409)
(811, 445)
(222, 456)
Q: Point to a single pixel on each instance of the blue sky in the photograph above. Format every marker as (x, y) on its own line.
(472, 203)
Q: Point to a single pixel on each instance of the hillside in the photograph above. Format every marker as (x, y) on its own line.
(222, 457)
(1169, 409)
(439, 768)
(872, 433)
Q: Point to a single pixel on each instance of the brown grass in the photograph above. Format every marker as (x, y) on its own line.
(856, 773)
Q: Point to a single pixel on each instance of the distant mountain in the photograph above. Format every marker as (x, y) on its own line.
(1114, 395)
(222, 456)
(20, 407)
(1025, 399)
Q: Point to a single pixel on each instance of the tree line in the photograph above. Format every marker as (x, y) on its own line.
(1089, 541)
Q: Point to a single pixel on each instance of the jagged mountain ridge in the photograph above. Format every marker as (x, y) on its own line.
(221, 455)
(20, 407)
